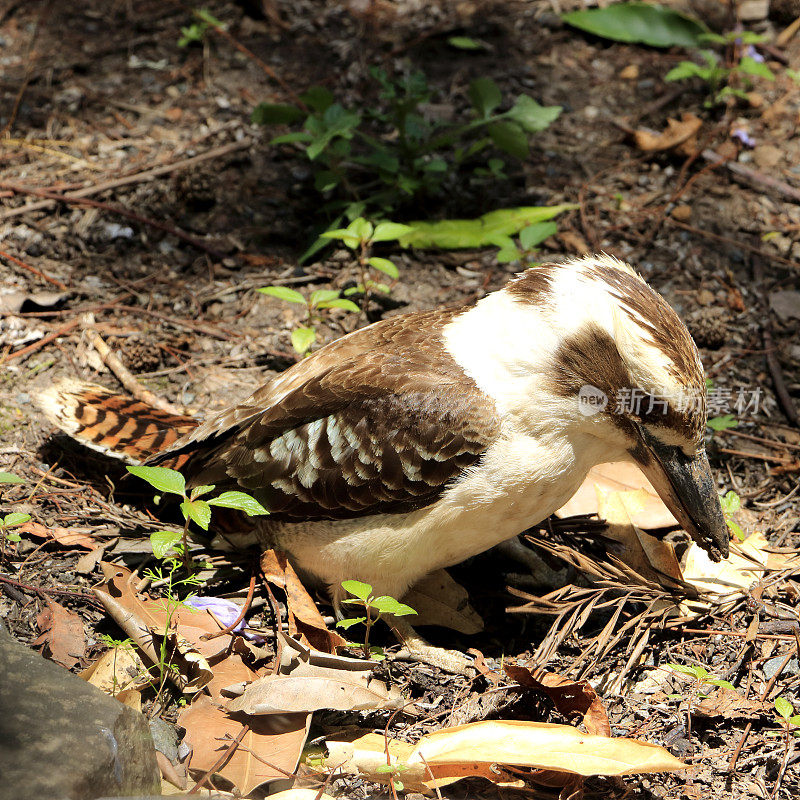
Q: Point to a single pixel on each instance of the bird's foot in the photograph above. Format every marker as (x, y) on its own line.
(447, 660)
(415, 648)
(539, 572)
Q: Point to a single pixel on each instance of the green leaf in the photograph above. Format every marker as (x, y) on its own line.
(323, 296)
(730, 502)
(508, 252)
(510, 138)
(275, 114)
(639, 23)
(532, 117)
(466, 43)
(13, 537)
(385, 266)
(750, 66)
(376, 654)
(163, 541)
(198, 511)
(361, 228)
(14, 519)
(344, 235)
(291, 138)
(241, 501)
(493, 228)
(687, 69)
(349, 622)
(358, 589)
(692, 672)
(723, 423)
(388, 231)
(199, 491)
(336, 122)
(303, 338)
(722, 683)
(388, 605)
(318, 97)
(484, 95)
(535, 234)
(784, 707)
(283, 293)
(346, 305)
(206, 16)
(161, 478)
(9, 477)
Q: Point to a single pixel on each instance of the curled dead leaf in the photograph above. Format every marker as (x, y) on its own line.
(676, 133)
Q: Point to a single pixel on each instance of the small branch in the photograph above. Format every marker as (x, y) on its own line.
(112, 361)
(32, 348)
(39, 273)
(230, 628)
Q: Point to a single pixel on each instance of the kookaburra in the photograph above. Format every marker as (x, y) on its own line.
(427, 438)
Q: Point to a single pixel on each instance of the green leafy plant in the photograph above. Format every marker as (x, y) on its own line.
(395, 150)
(9, 477)
(195, 32)
(725, 80)
(304, 336)
(193, 507)
(363, 596)
(700, 676)
(786, 712)
(722, 423)
(731, 503)
(9, 521)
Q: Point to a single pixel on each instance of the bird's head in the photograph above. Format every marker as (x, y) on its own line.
(593, 354)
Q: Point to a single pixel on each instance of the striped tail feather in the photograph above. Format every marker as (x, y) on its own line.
(111, 423)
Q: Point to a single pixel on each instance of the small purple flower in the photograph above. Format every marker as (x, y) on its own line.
(744, 137)
(226, 611)
(754, 54)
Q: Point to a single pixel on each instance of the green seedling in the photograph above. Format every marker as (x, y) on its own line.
(304, 336)
(723, 423)
(393, 151)
(700, 676)
(195, 32)
(363, 596)
(12, 520)
(193, 507)
(790, 720)
(731, 503)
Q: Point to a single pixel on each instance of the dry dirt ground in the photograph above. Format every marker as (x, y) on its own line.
(95, 93)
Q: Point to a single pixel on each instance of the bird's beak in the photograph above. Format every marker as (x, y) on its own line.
(686, 486)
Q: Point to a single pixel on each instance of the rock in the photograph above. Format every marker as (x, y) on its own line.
(785, 304)
(771, 666)
(682, 213)
(767, 155)
(63, 738)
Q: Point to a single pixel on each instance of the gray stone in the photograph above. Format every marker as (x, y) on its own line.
(63, 739)
(772, 665)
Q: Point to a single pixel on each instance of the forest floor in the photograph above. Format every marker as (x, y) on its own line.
(99, 97)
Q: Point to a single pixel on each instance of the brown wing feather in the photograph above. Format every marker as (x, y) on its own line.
(377, 424)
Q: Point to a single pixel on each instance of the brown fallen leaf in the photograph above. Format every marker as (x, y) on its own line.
(62, 633)
(676, 133)
(647, 513)
(304, 616)
(65, 536)
(117, 670)
(277, 740)
(288, 694)
(439, 600)
(729, 704)
(569, 697)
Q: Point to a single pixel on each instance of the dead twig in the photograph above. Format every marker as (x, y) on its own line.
(112, 361)
(221, 761)
(39, 273)
(32, 348)
(232, 627)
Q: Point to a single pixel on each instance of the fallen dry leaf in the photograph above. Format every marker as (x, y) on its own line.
(569, 697)
(439, 600)
(65, 536)
(277, 740)
(287, 694)
(647, 511)
(729, 704)
(676, 133)
(62, 632)
(304, 616)
(117, 670)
